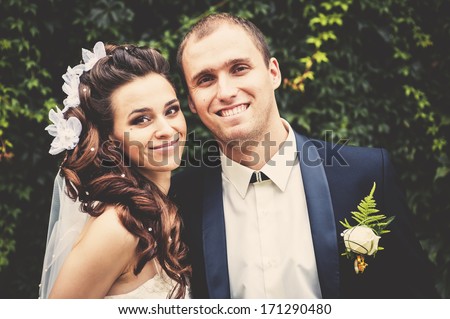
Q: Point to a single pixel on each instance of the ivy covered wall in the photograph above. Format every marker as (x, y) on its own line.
(374, 72)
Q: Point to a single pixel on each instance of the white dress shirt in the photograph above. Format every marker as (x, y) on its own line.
(269, 244)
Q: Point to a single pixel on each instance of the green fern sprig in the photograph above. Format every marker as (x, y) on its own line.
(366, 215)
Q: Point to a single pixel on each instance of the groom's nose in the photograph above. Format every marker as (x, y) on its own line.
(226, 89)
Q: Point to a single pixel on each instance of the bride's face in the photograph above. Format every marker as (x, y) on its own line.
(149, 124)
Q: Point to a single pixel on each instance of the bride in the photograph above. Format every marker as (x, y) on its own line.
(113, 233)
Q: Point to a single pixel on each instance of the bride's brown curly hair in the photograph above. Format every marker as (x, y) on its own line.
(96, 172)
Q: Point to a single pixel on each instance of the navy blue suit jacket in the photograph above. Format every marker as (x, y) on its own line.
(335, 180)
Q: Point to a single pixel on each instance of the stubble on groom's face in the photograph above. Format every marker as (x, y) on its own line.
(230, 86)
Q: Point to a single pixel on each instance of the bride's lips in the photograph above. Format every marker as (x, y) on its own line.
(164, 146)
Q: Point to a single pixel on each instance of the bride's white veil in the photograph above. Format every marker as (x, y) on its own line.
(65, 224)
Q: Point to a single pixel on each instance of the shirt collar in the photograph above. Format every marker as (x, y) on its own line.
(278, 168)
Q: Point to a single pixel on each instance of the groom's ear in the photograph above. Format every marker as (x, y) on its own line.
(191, 105)
(275, 73)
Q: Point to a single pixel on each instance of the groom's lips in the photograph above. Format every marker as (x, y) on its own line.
(233, 110)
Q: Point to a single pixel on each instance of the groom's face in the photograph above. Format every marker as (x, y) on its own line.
(230, 85)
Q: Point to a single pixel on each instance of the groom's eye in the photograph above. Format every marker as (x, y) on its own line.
(204, 80)
(240, 68)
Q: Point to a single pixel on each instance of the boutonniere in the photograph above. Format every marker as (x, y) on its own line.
(362, 239)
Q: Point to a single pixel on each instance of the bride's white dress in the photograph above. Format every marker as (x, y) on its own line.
(157, 287)
(65, 224)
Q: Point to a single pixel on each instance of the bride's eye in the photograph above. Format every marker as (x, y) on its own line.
(141, 119)
(174, 109)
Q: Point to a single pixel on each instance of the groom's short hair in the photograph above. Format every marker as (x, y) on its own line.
(210, 23)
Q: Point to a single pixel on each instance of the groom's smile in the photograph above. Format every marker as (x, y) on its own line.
(233, 110)
(231, 87)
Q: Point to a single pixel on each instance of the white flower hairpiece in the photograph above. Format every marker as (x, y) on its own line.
(70, 87)
(66, 132)
(72, 76)
(90, 58)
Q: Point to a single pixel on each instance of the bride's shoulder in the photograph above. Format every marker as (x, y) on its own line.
(108, 230)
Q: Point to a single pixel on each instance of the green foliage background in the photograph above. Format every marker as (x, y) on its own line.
(374, 72)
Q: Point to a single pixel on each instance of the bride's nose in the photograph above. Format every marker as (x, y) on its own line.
(163, 129)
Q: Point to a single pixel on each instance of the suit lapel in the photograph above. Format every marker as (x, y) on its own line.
(321, 216)
(214, 240)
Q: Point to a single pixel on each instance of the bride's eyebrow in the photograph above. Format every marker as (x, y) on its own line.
(149, 109)
(173, 101)
(140, 110)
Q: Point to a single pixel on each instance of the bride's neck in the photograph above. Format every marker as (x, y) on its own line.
(160, 179)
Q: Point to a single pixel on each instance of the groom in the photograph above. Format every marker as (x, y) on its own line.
(263, 220)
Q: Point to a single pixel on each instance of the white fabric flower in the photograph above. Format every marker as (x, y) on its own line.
(361, 240)
(72, 76)
(76, 71)
(90, 58)
(71, 85)
(66, 132)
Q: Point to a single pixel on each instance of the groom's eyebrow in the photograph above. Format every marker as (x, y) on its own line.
(226, 64)
(201, 73)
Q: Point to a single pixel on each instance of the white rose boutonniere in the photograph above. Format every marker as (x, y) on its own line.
(362, 239)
